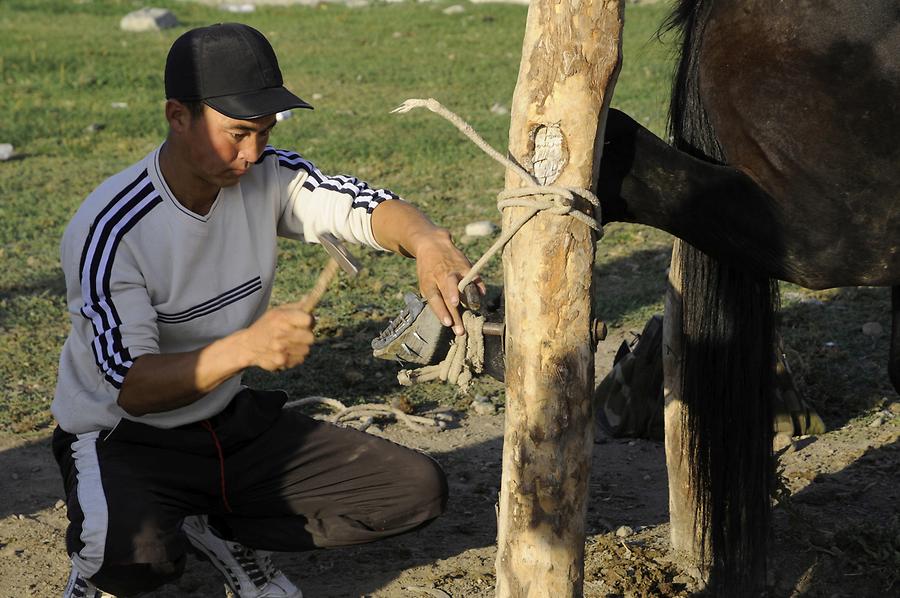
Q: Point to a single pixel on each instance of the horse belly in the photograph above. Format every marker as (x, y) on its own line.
(805, 98)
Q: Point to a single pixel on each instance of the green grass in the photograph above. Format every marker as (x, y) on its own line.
(63, 64)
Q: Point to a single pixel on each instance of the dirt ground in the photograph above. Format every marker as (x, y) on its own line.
(836, 535)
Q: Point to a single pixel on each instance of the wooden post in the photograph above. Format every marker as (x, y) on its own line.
(682, 528)
(570, 59)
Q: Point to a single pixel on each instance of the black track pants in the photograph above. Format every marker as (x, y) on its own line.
(268, 478)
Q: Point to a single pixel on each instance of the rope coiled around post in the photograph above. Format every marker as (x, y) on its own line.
(554, 199)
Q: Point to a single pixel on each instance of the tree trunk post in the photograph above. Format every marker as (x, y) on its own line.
(682, 528)
(570, 60)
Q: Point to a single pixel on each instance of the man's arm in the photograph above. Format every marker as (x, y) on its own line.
(280, 339)
(400, 227)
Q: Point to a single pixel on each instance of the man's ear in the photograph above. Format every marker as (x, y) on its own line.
(178, 115)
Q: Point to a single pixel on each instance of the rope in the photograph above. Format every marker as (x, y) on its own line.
(551, 198)
(464, 359)
(365, 414)
(466, 354)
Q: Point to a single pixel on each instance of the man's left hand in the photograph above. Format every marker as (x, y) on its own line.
(402, 228)
(440, 266)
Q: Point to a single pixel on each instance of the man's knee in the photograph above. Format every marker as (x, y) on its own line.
(127, 580)
(429, 491)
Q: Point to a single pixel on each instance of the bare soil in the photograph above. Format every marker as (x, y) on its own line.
(836, 528)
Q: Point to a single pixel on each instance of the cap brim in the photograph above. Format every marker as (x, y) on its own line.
(255, 104)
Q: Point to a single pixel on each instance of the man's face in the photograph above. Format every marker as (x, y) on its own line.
(222, 149)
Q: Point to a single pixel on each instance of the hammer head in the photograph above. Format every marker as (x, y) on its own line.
(340, 254)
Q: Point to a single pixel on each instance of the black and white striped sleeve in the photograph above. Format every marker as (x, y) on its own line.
(316, 203)
(114, 301)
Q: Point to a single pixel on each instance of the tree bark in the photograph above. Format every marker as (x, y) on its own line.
(682, 508)
(570, 60)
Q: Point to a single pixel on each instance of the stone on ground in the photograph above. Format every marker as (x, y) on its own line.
(481, 228)
(872, 329)
(148, 19)
(6, 151)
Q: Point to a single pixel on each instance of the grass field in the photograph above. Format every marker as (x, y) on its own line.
(65, 65)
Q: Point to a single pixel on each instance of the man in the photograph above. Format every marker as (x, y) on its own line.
(169, 268)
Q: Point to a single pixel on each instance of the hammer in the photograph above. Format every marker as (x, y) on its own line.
(340, 258)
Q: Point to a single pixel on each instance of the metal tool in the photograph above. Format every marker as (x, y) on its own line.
(340, 258)
(340, 254)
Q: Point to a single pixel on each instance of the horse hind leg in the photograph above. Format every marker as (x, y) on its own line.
(894, 355)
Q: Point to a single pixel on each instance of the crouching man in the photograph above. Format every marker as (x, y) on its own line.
(169, 267)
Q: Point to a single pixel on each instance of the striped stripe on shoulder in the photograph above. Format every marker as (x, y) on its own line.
(119, 216)
(362, 195)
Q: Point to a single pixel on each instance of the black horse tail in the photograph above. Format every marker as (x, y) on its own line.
(727, 366)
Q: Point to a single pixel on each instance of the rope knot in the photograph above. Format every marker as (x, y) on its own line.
(555, 199)
(550, 198)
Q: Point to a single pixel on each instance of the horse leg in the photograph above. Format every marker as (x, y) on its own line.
(724, 213)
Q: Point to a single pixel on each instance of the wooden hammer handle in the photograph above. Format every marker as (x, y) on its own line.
(311, 299)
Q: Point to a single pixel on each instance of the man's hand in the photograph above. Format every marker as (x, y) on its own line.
(280, 339)
(402, 228)
(440, 266)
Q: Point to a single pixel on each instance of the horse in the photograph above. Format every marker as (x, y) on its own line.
(784, 165)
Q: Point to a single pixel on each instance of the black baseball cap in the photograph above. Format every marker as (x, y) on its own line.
(232, 68)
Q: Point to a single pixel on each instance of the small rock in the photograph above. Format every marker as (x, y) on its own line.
(59, 504)
(119, 105)
(6, 151)
(624, 531)
(35, 469)
(694, 572)
(830, 344)
(403, 404)
(895, 408)
(483, 406)
(482, 228)
(683, 579)
(148, 19)
(781, 441)
(872, 329)
(14, 476)
(454, 10)
(238, 8)
(499, 109)
(354, 376)
(877, 422)
(646, 477)
(283, 115)
(317, 96)
(94, 128)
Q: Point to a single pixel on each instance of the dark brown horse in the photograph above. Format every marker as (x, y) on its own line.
(785, 117)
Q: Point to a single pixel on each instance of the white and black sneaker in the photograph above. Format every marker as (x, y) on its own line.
(79, 587)
(249, 573)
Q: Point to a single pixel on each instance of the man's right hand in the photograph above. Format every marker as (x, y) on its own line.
(280, 339)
